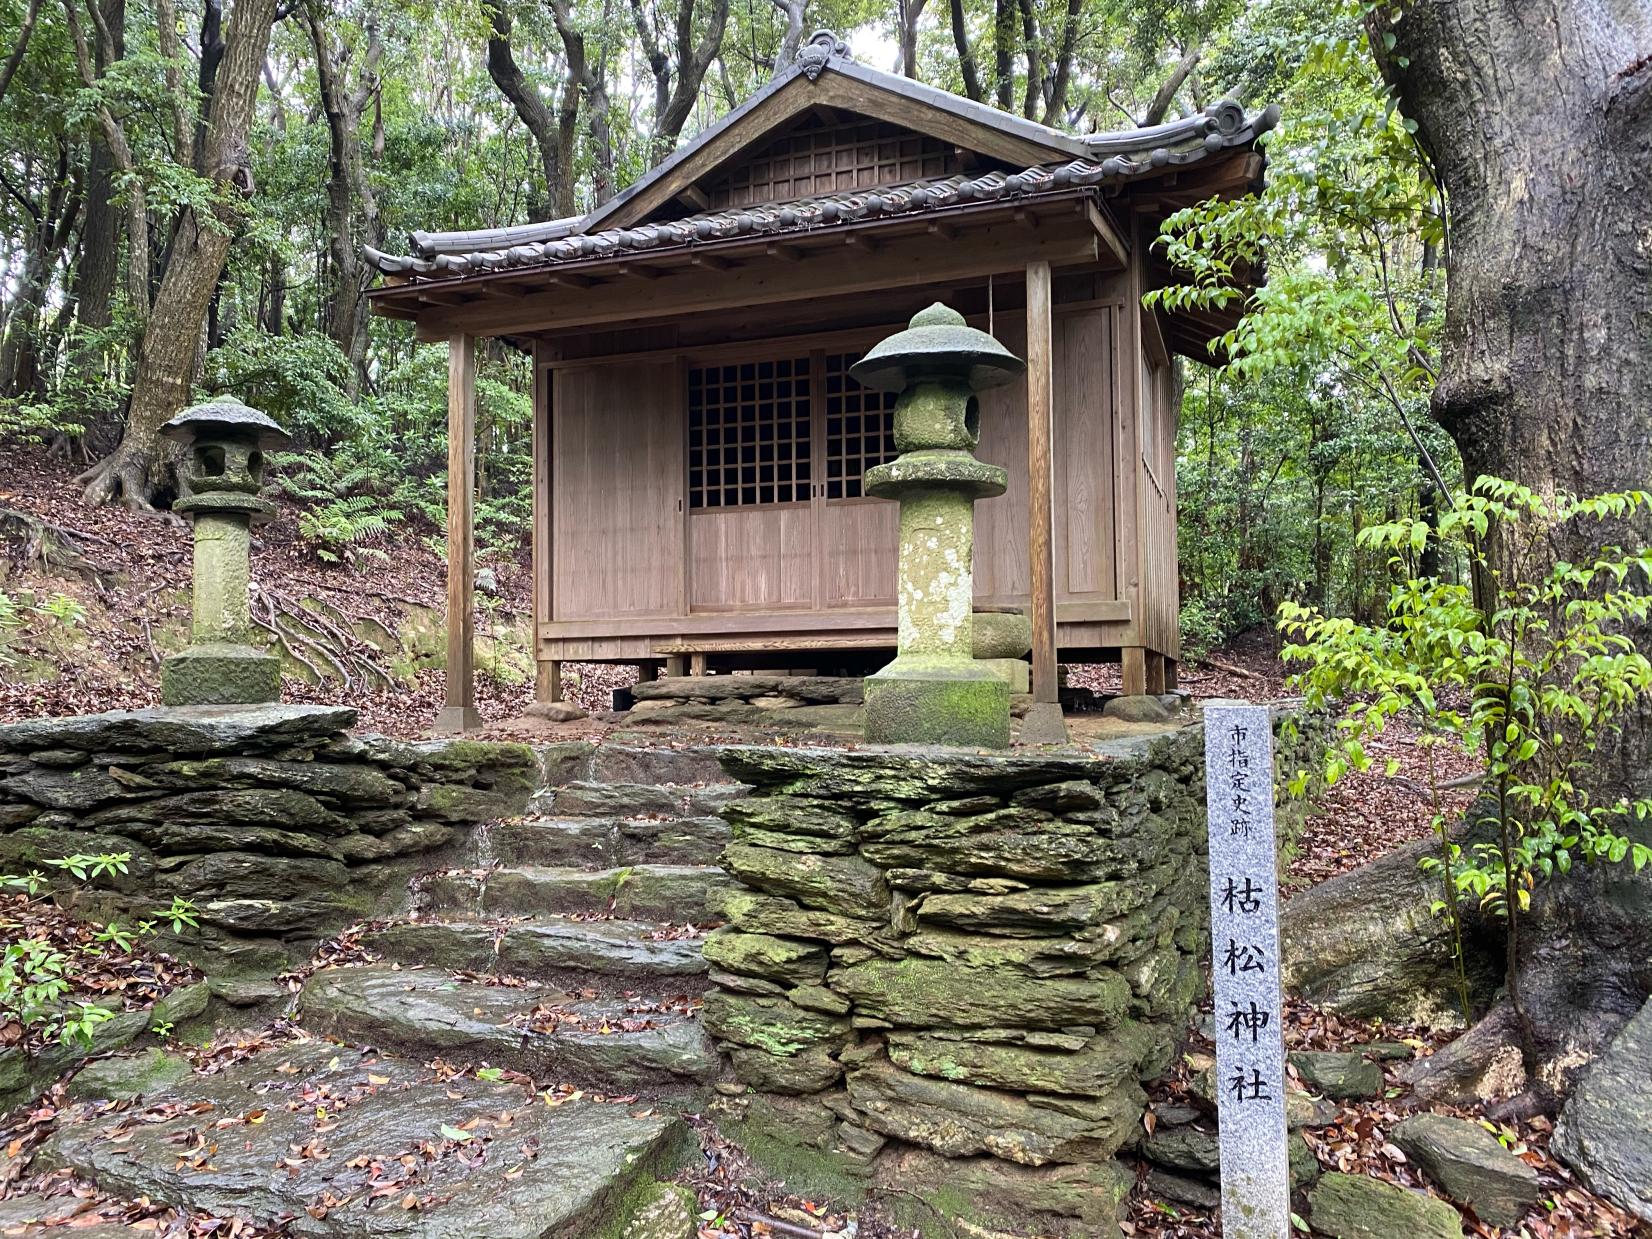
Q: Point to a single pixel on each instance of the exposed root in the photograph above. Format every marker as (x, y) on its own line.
(311, 638)
(123, 477)
(51, 547)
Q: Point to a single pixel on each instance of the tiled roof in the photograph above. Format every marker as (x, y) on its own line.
(1106, 158)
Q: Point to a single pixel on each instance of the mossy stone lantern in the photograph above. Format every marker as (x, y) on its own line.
(226, 441)
(935, 692)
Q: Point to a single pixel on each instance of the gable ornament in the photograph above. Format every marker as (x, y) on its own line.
(813, 56)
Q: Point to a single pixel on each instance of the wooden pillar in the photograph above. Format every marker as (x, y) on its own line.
(1171, 675)
(547, 684)
(459, 712)
(676, 665)
(1133, 670)
(547, 680)
(1040, 481)
(1155, 673)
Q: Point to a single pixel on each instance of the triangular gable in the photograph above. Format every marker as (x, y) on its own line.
(827, 154)
(837, 85)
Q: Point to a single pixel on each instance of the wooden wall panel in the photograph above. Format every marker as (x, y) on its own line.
(759, 558)
(1002, 574)
(617, 490)
(1084, 528)
(859, 550)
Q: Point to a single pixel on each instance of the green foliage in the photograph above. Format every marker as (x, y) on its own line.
(1319, 426)
(15, 614)
(1532, 678)
(36, 976)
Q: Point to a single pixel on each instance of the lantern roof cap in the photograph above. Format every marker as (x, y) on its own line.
(937, 343)
(225, 413)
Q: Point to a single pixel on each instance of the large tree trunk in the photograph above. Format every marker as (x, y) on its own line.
(136, 471)
(1539, 122)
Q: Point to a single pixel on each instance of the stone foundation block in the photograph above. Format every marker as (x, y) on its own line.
(220, 675)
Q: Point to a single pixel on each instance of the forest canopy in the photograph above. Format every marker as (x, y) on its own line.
(188, 187)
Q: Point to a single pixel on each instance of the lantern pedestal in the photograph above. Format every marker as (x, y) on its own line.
(220, 673)
(936, 691)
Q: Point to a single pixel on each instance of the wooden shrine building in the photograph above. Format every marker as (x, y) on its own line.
(699, 444)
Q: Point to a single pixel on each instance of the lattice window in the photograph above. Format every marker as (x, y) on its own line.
(748, 434)
(834, 159)
(860, 428)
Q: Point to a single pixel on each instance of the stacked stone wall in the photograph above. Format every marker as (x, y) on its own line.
(960, 968)
(278, 826)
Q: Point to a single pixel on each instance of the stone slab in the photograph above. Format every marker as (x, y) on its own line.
(525, 1170)
(180, 729)
(425, 1012)
(815, 689)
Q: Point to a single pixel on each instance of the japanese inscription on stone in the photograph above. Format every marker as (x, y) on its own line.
(1244, 930)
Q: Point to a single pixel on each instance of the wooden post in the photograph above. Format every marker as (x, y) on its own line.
(1040, 481)
(1133, 670)
(1043, 723)
(1155, 673)
(459, 713)
(547, 681)
(548, 672)
(1170, 675)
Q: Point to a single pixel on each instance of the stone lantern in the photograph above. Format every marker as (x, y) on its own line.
(935, 692)
(222, 476)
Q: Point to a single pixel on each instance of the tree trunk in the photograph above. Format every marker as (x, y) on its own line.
(530, 108)
(347, 190)
(1539, 123)
(135, 472)
(966, 54)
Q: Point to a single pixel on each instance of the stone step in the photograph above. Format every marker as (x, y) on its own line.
(310, 1137)
(656, 800)
(647, 763)
(673, 894)
(616, 1045)
(607, 843)
(564, 951)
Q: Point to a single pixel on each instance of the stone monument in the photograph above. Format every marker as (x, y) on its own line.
(935, 692)
(1244, 938)
(224, 472)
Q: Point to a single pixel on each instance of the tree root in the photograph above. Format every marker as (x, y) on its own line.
(311, 639)
(122, 477)
(52, 547)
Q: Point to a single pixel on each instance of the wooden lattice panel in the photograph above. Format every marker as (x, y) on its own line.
(832, 159)
(860, 428)
(748, 434)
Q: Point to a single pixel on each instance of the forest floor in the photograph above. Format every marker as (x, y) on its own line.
(132, 606)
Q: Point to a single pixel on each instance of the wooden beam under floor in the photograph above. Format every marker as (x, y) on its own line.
(459, 712)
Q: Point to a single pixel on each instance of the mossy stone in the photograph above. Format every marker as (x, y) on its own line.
(1038, 911)
(931, 993)
(960, 1120)
(123, 1077)
(220, 674)
(1105, 1060)
(844, 885)
(787, 960)
(770, 1024)
(1349, 1206)
(938, 1196)
(966, 706)
(768, 914)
